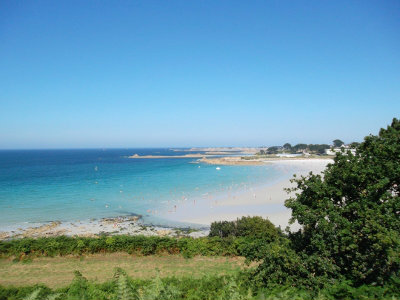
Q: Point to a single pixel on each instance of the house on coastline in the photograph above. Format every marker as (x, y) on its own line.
(333, 151)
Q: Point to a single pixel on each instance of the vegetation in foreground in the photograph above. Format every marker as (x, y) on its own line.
(56, 272)
(28, 248)
(209, 287)
(348, 247)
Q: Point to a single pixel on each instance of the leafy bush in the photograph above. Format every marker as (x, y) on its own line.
(140, 245)
(223, 229)
(254, 227)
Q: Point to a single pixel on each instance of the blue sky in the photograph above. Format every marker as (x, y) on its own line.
(196, 73)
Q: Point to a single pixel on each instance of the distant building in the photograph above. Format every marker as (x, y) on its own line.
(333, 151)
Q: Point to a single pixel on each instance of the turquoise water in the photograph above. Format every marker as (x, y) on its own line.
(68, 185)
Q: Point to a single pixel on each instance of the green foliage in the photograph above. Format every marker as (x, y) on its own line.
(354, 145)
(251, 235)
(79, 287)
(139, 245)
(226, 238)
(282, 265)
(33, 296)
(124, 289)
(338, 143)
(36, 295)
(238, 287)
(318, 148)
(38, 291)
(272, 150)
(351, 215)
(315, 148)
(254, 227)
(299, 147)
(223, 229)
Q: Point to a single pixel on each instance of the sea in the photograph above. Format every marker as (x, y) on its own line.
(38, 186)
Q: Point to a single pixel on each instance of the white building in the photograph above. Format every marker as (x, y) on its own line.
(333, 151)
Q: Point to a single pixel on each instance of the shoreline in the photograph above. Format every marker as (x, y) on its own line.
(123, 225)
(257, 161)
(231, 161)
(265, 200)
(194, 216)
(235, 159)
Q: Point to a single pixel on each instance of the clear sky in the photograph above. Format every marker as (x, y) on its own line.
(196, 73)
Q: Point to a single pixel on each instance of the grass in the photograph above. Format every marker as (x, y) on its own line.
(59, 271)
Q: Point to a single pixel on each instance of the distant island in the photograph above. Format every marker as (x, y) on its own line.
(259, 155)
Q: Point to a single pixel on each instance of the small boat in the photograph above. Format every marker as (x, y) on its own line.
(218, 168)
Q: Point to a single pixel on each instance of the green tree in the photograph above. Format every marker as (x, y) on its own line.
(338, 143)
(272, 150)
(318, 148)
(287, 146)
(350, 216)
(255, 227)
(253, 235)
(299, 147)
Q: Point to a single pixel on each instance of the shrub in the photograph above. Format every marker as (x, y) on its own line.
(141, 245)
(254, 227)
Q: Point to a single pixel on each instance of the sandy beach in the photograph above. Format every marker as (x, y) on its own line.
(266, 200)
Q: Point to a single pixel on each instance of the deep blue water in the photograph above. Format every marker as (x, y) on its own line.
(70, 185)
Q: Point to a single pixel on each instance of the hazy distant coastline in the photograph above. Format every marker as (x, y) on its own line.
(232, 156)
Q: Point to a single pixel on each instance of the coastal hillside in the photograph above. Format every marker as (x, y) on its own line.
(347, 246)
(199, 150)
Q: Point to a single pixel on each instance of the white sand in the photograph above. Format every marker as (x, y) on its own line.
(266, 201)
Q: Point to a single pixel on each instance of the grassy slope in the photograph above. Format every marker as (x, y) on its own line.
(59, 271)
